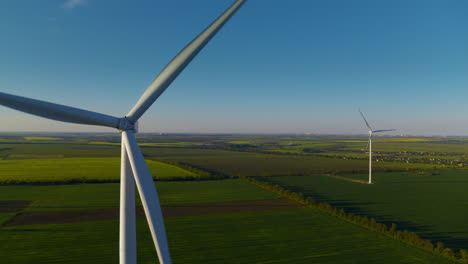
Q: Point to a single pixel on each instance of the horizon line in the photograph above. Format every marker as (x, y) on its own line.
(228, 133)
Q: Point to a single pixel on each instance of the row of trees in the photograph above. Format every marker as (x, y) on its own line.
(370, 223)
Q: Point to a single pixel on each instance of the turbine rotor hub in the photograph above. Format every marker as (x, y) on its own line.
(127, 125)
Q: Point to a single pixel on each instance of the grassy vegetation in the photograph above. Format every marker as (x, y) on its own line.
(23, 156)
(77, 170)
(259, 164)
(68, 150)
(91, 196)
(288, 236)
(434, 206)
(431, 203)
(239, 238)
(96, 242)
(408, 237)
(298, 236)
(42, 138)
(240, 157)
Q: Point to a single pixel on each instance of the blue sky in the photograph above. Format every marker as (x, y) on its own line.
(277, 66)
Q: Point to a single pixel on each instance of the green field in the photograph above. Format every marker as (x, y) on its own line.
(255, 157)
(434, 206)
(68, 150)
(420, 185)
(43, 138)
(48, 169)
(281, 236)
(259, 164)
(89, 196)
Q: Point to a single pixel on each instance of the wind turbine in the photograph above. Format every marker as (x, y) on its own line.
(369, 143)
(133, 166)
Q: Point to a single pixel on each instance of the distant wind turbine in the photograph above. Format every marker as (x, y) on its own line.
(133, 166)
(369, 143)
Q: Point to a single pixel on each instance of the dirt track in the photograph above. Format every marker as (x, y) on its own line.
(347, 179)
(61, 217)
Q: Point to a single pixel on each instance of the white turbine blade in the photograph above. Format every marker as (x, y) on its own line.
(178, 63)
(57, 112)
(383, 130)
(127, 223)
(367, 124)
(149, 196)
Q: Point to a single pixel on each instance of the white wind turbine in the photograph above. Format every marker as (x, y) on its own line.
(133, 166)
(369, 143)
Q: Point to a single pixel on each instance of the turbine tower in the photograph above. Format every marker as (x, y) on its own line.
(134, 170)
(369, 143)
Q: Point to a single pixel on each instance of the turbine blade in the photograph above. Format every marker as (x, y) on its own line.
(383, 130)
(149, 196)
(57, 111)
(127, 223)
(178, 64)
(367, 124)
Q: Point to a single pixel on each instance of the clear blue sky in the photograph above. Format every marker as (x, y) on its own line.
(276, 67)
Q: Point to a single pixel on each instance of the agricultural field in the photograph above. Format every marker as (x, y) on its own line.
(433, 204)
(219, 158)
(48, 169)
(253, 226)
(260, 164)
(64, 188)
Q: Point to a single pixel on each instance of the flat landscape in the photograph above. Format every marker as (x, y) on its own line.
(254, 226)
(432, 205)
(245, 132)
(59, 198)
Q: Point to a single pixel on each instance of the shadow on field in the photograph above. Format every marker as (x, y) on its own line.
(423, 231)
(356, 209)
(450, 241)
